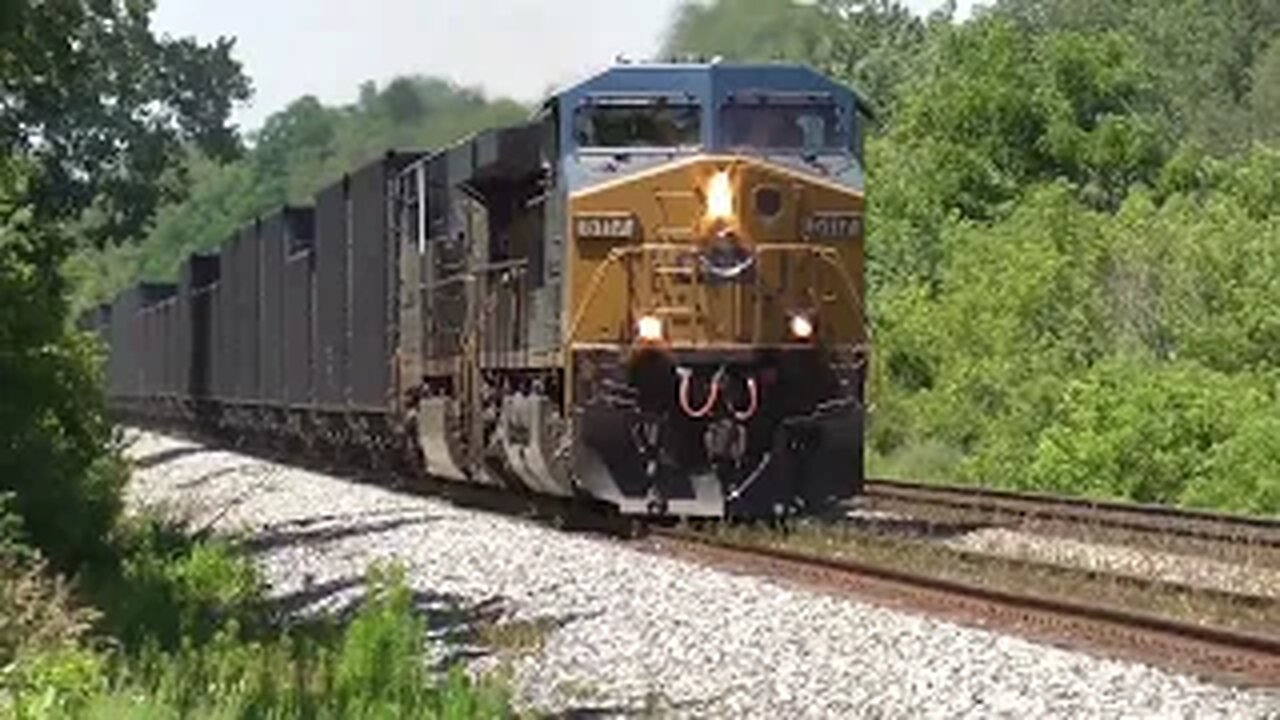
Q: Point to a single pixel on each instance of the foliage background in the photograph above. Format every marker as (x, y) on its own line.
(298, 151)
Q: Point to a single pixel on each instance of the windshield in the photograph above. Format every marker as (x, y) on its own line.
(782, 127)
(638, 125)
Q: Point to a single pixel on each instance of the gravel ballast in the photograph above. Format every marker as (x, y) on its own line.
(1193, 571)
(1241, 575)
(608, 629)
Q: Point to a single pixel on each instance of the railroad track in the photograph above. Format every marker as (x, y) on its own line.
(1133, 517)
(1225, 654)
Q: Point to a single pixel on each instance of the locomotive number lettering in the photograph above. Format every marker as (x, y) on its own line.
(832, 226)
(604, 227)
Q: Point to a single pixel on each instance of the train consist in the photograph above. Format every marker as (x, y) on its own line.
(648, 296)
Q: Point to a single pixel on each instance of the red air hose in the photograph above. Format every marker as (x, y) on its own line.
(686, 375)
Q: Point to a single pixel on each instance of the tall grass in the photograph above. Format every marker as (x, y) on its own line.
(373, 668)
(186, 633)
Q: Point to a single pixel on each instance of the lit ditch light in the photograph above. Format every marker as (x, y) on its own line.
(649, 328)
(801, 327)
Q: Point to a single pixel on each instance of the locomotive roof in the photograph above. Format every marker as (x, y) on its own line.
(509, 151)
(714, 81)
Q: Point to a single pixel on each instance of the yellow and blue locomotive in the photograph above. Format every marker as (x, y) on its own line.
(650, 295)
(669, 315)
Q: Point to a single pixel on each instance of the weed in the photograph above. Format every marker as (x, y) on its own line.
(190, 636)
(516, 637)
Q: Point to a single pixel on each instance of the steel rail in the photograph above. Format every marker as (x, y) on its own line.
(1219, 527)
(1253, 659)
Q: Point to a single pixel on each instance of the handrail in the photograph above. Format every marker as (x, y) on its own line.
(825, 253)
(472, 273)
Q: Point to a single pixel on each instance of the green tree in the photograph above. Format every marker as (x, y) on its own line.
(870, 44)
(1204, 52)
(759, 30)
(94, 109)
(296, 152)
(1264, 97)
(1197, 276)
(1017, 306)
(1006, 109)
(873, 45)
(991, 111)
(1128, 354)
(102, 108)
(64, 487)
(301, 134)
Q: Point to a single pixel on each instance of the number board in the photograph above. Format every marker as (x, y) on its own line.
(602, 226)
(833, 226)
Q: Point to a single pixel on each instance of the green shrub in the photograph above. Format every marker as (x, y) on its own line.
(45, 668)
(379, 666)
(54, 438)
(1241, 473)
(56, 683)
(1138, 429)
(191, 635)
(927, 460)
(165, 589)
(374, 668)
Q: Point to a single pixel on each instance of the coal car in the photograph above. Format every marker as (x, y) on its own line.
(649, 296)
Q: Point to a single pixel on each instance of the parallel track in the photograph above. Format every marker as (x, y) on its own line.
(1221, 653)
(1215, 527)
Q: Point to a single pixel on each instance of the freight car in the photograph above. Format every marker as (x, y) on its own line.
(648, 296)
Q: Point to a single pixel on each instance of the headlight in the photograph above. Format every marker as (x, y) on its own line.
(720, 197)
(649, 328)
(801, 327)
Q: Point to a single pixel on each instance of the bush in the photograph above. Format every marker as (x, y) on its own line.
(374, 668)
(54, 437)
(1136, 429)
(927, 460)
(1241, 472)
(192, 636)
(1128, 355)
(45, 668)
(166, 589)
